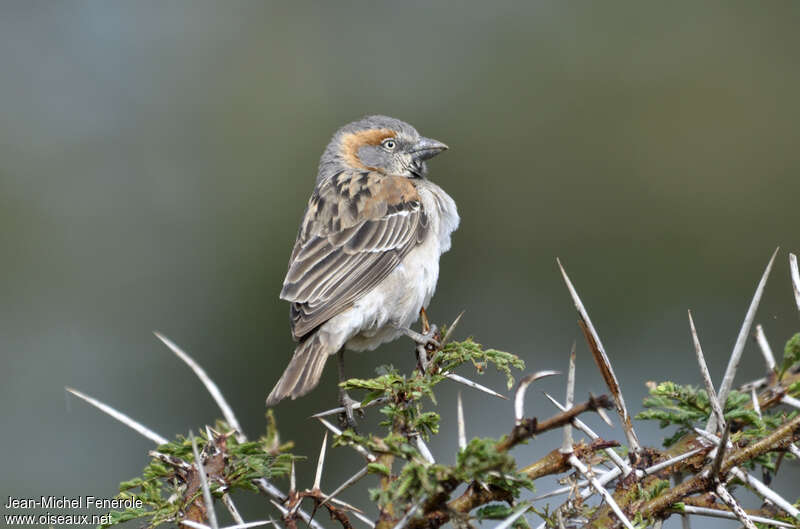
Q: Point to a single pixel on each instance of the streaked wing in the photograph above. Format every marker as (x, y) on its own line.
(356, 230)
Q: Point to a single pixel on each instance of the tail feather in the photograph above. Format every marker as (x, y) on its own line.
(303, 372)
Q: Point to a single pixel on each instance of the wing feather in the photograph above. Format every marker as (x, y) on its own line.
(339, 258)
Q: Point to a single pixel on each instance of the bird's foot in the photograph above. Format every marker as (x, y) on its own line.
(347, 418)
(427, 344)
(429, 340)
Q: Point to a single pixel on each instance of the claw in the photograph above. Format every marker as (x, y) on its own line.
(427, 340)
(347, 417)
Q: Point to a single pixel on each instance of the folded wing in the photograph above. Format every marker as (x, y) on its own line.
(356, 230)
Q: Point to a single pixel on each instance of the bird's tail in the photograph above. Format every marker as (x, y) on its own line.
(303, 372)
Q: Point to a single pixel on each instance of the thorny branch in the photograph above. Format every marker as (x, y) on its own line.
(416, 491)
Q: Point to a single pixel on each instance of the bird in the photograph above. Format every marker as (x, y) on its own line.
(366, 259)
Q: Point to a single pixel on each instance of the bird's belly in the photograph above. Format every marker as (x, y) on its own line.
(396, 301)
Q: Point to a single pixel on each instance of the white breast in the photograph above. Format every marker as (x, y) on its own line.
(397, 300)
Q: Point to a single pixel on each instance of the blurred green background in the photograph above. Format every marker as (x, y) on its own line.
(156, 157)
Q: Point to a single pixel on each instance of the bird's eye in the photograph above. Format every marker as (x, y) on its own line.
(389, 145)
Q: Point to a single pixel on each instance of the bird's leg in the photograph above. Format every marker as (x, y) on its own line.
(347, 418)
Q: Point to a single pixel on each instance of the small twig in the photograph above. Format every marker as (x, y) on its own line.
(531, 427)
(209, 501)
(716, 406)
(462, 427)
(584, 470)
(121, 417)
(726, 497)
(210, 385)
(519, 394)
(766, 350)
(741, 340)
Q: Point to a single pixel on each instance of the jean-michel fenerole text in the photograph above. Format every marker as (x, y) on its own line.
(77, 502)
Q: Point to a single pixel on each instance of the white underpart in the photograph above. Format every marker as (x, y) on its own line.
(374, 319)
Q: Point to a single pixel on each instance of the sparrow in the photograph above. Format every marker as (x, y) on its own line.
(366, 258)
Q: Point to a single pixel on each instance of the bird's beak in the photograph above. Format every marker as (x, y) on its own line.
(426, 148)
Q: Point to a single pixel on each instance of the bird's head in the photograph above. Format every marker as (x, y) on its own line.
(379, 143)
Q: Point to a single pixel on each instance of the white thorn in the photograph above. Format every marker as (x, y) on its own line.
(580, 467)
(791, 401)
(194, 525)
(566, 442)
(250, 524)
(121, 417)
(795, 278)
(423, 449)
(201, 471)
(580, 425)
(227, 501)
(364, 519)
(358, 448)
(722, 445)
(212, 388)
(743, 517)
(765, 492)
(505, 524)
(320, 462)
(462, 428)
(671, 461)
(716, 406)
(242, 525)
(292, 479)
(411, 512)
(275, 494)
(451, 328)
(474, 385)
(716, 513)
(756, 405)
(356, 406)
(741, 340)
(519, 394)
(604, 364)
(766, 350)
(352, 479)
